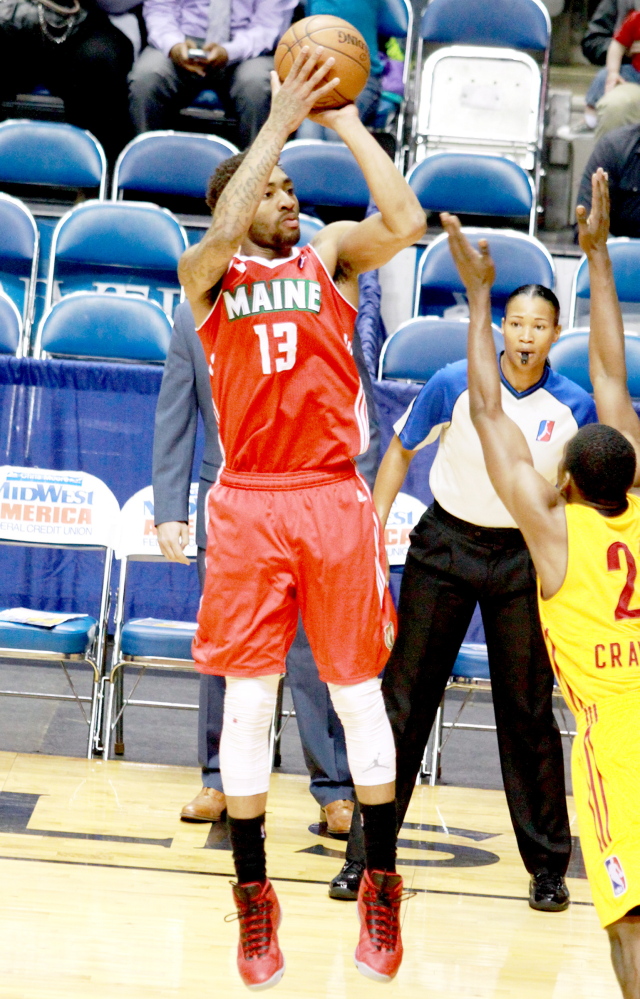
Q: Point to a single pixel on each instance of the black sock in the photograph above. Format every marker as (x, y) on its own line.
(379, 827)
(247, 842)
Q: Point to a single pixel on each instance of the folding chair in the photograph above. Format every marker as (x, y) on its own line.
(19, 244)
(130, 248)
(144, 643)
(625, 261)
(470, 184)
(74, 511)
(170, 163)
(420, 347)
(11, 335)
(51, 154)
(570, 357)
(108, 327)
(519, 259)
(324, 174)
(483, 92)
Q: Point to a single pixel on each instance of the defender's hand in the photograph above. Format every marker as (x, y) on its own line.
(292, 100)
(173, 538)
(475, 267)
(593, 231)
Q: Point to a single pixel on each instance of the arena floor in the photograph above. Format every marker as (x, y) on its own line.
(106, 894)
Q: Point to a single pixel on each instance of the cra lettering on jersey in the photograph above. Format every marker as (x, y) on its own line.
(282, 295)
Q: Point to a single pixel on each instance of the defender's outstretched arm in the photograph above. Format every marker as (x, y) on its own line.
(529, 498)
(202, 266)
(607, 365)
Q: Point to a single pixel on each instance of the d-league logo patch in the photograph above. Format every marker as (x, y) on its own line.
(545, 430)
(616, 875)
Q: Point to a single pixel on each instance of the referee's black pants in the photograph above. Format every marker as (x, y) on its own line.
(451, 566)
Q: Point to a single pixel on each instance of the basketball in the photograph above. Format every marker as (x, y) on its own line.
(340, 40)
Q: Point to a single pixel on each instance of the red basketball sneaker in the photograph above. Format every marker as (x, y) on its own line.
(379, 951)
(260, 960)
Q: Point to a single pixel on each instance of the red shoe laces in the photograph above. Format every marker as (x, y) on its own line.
(255, 926)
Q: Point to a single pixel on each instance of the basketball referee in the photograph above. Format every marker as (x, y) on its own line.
(465, 550)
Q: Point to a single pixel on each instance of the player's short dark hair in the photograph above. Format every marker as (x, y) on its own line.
(601, 462)
(537, 291)
(221, 177)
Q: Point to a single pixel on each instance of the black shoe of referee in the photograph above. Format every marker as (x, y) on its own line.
(345, 885)
(548, 892)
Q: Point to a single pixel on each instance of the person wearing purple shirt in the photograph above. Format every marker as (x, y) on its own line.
(238, 38)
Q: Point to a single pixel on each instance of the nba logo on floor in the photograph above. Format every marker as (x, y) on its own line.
(616, 875)
(545, 430)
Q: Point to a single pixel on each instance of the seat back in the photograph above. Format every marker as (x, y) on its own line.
(109, 327)
(471, 184)
(519, 24)
(137, 538)
(18, 255)
(130, 248)
(625, 261)
(51, 154)
(11, 338)
(324, 174)
(570, 357)
(472, 662)
(519, 259)
(170, 163)
(420, 347)
(394, 18)
(309, 227)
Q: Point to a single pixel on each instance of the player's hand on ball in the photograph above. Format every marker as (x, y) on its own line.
(475, 267)
(173, 538)
(334, 117)
(593, 230)
(305, 84)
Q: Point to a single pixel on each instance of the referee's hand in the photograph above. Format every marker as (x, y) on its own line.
(173, 538)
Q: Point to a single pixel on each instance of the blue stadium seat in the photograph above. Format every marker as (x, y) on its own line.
(11, 339)
(422, 346)
(324, 174)
(470, 184)
(517, 24)
(309, 227)
(158, 638)
(394, 18)
(170, 163)
(109, 327)
(625, 261)
(130, 248)
(18, 256)
(51, 154)
(472, 662)
(570, 357)
(519, 259)
(69, 638)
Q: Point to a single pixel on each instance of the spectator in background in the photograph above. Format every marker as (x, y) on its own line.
(363, 15)
(237, 39)
(71, 48)
(621, 104)
(618, 153)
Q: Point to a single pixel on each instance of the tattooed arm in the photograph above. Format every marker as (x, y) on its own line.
(202, 265)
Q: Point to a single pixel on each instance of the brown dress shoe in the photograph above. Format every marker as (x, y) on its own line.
(337, 815)
(207, 806)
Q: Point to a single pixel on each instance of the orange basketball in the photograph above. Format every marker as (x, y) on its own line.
(340, 40)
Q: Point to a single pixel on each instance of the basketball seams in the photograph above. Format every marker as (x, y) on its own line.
(351, 70)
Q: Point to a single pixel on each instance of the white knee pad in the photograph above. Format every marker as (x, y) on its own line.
(244, 744)
(370, 748)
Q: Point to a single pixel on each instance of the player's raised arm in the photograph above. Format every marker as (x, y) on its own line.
(350, 249)
(529, 498)
(203, 265)
(607, 364)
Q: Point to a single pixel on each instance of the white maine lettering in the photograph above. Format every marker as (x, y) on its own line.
(260, 301)
(238, 304)
(294, 294)
(282, 295)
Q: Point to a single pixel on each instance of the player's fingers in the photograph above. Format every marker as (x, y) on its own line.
(326, 88)
(321, 72)
(275, 82)
(308, 67)
(298, 62)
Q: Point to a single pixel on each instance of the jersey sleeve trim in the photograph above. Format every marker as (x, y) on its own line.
(432, 409)
(572, 395)
(310, 246)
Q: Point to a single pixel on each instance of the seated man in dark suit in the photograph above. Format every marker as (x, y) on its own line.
(185, 392)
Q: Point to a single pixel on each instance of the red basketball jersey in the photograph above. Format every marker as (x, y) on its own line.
(286, 390)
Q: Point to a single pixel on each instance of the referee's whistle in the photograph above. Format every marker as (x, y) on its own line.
(524, 357)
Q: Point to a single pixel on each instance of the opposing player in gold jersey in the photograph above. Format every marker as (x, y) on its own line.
(584, 538)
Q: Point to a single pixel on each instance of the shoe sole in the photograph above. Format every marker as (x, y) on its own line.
(261, 986)
(550, 906)
(344, 894)
(371, 973)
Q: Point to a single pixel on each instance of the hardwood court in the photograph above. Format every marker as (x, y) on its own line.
(107, 895)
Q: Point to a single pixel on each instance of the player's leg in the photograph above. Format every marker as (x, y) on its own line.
(624, 938)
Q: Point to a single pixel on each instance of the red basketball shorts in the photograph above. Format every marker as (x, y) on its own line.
(309, 542)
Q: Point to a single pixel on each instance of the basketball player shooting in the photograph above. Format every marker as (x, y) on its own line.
(292, 527)
(584, 538)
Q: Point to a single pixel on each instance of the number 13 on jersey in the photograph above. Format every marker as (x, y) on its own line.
(280, 338)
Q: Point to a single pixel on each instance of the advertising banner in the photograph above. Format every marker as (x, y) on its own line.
(405, 514)
(137, 534)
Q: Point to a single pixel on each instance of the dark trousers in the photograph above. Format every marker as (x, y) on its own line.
(451, 566)
(88, 71)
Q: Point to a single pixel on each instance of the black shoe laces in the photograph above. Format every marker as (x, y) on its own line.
(351, 870)
(382, 917)
(256, 926)
(548, 884)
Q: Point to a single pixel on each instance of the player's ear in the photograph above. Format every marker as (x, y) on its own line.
(557, 333)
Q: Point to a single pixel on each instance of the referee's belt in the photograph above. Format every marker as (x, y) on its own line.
(504, 537)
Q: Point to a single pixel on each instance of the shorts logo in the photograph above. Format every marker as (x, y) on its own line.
(616, 875)
(389, 635)
(545, 430)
